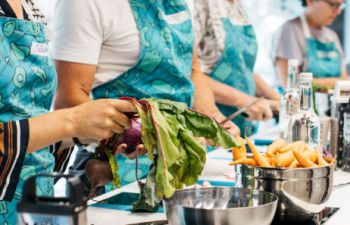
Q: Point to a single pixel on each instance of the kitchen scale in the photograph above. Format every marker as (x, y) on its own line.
(50, 210)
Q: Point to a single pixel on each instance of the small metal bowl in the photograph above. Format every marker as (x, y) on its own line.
(220, 206)
(303, 192)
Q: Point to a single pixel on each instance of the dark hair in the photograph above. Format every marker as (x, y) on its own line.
(304, 2)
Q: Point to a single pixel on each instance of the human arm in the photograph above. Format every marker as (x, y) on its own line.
(204, 100)
(230, 96)
(330, 81)
(282, 69)
(75, 82)
(94, 120)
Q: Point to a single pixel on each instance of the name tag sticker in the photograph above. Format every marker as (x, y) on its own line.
(41, 49)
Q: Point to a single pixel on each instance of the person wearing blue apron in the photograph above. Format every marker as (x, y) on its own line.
(316, 46)
(227, 49)
(140, 48)
(27, 85)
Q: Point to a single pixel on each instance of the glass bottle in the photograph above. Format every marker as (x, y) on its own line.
(290, 99)
(305, 124)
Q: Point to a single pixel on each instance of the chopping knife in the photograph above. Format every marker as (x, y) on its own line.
(242, 110)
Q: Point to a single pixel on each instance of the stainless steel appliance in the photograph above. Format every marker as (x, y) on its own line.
(50, 210)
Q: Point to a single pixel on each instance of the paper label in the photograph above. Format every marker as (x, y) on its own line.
(41, 49)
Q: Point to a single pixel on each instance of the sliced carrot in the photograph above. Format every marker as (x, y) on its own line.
(240, 152)
(333, 161)
(303, 161)
(284, 159)
(275, 146)
(294, 164)
(311, 155)
(291, 146)
(327, 159)
(261, 160)
(245, 161)
(320, 160)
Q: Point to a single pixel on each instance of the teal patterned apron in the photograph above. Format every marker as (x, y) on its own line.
(28, 82)
(164, 66)
(322, 58)
(235, 67)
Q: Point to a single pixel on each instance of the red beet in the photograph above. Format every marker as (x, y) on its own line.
(99, 174)
(131, 137)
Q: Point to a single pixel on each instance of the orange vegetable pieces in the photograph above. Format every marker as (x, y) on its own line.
(261, 160)
(245, 161)
(311, 155)
(291, 146)
(284, 159)
(320, 160)
(274, 147)
(303, 160)
(239, 152)
(294, 164)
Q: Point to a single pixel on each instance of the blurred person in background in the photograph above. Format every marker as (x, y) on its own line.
(137, 48)
(227, 49)
(308, 39)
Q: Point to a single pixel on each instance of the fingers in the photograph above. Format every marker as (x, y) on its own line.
(123, 106)
(232, 128)
(121, 119)
(120, 149)
(275, 105)
(267, 112)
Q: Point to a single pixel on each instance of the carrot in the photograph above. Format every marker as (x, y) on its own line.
(333, 161)
(275, 146)
(240, 152)
(245, 161)
(261, 161)
(303, 161)
(291, 146)
(311, 155)
(320, 160)
(284, 159)
(327, 159)
(294, 164)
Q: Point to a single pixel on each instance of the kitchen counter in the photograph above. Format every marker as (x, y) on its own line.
(216, 170)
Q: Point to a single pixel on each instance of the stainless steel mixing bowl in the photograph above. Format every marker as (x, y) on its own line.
(221, 206)
(302, 193)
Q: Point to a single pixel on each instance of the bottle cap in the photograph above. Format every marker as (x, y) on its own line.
(293, 62)
(306, 76)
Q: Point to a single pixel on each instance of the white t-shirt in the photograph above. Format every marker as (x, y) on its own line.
(97, 32)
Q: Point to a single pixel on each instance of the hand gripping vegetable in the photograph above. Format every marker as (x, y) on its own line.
(172, 134)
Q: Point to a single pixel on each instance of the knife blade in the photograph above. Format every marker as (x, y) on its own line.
(240, 111)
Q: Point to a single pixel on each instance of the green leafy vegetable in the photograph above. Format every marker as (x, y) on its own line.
(173, 134)
(175, 139)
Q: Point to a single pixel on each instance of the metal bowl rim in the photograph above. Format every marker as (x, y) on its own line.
(237, 208)
(288, 169)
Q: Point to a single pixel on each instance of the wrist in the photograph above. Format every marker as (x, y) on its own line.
(68, 120)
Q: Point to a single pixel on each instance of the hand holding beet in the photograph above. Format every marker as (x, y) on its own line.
(101, 119)
(130, 141)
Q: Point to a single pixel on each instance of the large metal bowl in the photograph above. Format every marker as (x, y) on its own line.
(302, 193)
(221, 206)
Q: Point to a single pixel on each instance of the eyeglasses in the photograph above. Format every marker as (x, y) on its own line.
(335, 5)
